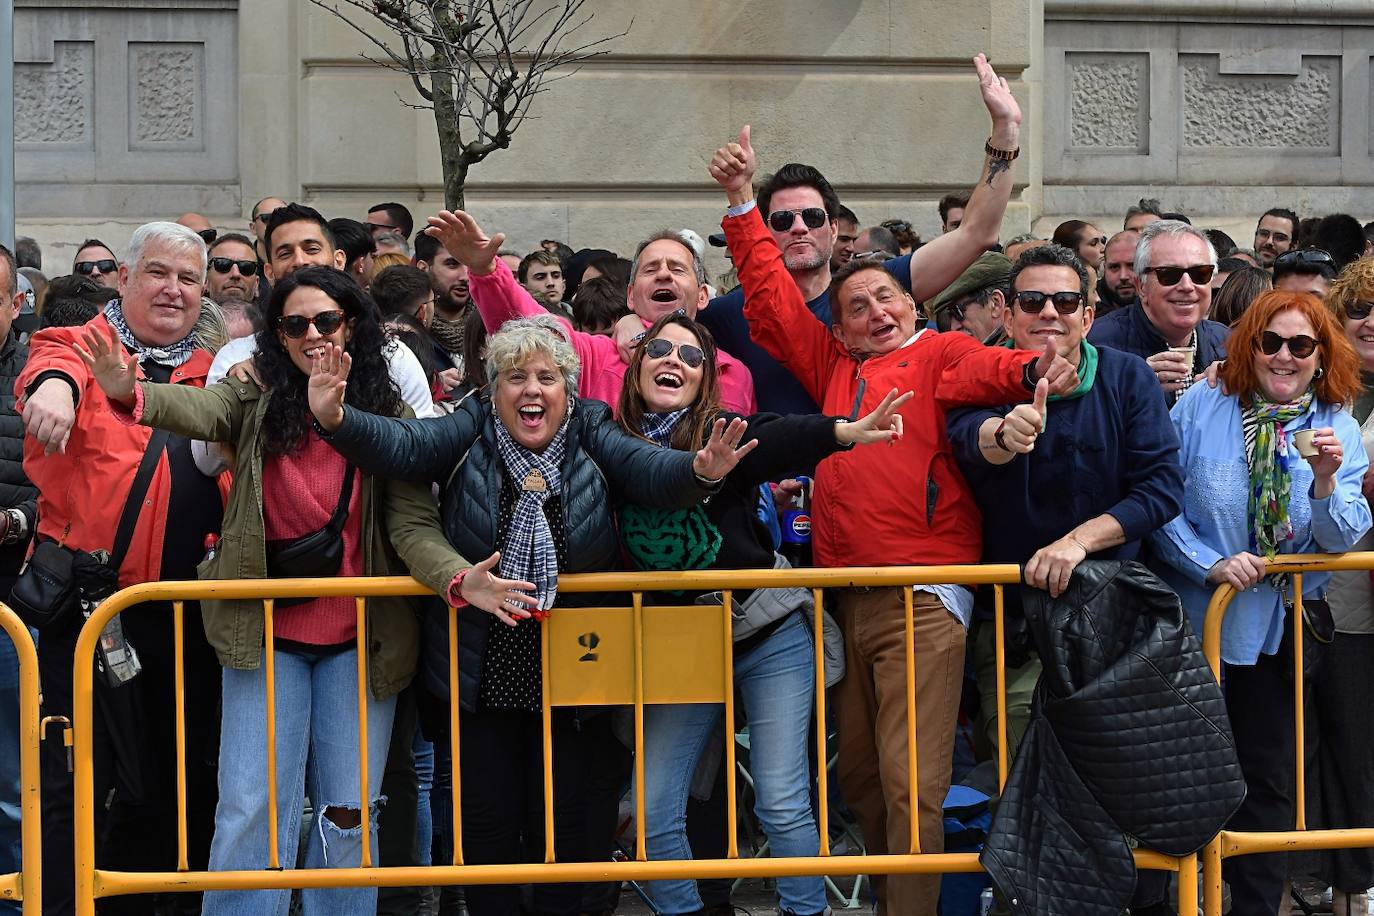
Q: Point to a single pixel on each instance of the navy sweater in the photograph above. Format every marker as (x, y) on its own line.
(1130, 331)
(1111, 451)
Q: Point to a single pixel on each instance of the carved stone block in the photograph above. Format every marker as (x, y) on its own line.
(1109, 101)
(1272, 112)
(52, 101)
(166, 89)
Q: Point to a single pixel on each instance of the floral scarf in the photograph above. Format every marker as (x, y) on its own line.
(1271, 478)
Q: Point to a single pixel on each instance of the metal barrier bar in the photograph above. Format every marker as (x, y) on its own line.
(1227, 843)
(94, 883)
(269, 671)
(546, 725)
(731, 800)
(26, 886)
(179, 693)
(1000, 634)
(453, 708)
(909, 648)
(364, 795)
(822, 747)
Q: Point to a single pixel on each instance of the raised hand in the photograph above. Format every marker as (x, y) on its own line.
(1024, 424)
(1001, 104)
(733, 167)
(1056, 370)
(328, 383)
(460, 235)
(883, 424)
(722, 451)
(1329, 455)
(109, 365)
(505, 599)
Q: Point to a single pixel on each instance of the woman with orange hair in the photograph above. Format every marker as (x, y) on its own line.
(1250, 495)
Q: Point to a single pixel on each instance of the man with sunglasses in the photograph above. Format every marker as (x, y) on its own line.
(1275, 233)
(975, 303)
(1168, 327)
(96, 260)
(233, 275)
(264, 208)
(1090, 473)
(199, 225)
(1305, 270)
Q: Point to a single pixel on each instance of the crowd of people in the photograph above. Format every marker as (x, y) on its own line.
(332, 397)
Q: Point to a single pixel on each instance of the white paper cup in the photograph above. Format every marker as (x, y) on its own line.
(1303, 440)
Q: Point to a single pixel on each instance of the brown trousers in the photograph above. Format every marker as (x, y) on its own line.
(871, 706)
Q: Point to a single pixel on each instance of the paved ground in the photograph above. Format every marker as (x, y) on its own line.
(752, 898)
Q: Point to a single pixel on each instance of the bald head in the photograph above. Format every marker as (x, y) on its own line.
(194, 221)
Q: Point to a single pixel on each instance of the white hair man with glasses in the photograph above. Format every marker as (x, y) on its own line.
(1168, 327)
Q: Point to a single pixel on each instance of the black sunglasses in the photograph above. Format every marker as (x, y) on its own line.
(1300, 346)
(1359, 311)
(325, 322)
(104, 266)
(1032, 301)
(782, 220)
(691, 356)
(1200, 274)
(1314, 256)
(224, 265)
(209, 235)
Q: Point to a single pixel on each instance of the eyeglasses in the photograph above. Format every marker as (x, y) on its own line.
(782, 220)
(104, 266)
(1265, 235)
(224, 265)
(1200, 274)
(691, 356)
(325, 322)
(1293, 260)
(209, 235)
(1032, 301)
(1300, 346)
(1359, 311)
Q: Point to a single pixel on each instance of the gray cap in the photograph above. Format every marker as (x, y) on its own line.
(991, 269)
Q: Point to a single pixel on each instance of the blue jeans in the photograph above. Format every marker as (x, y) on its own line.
(10, 847)
(317, 715)
(424, 776)
(776, 680)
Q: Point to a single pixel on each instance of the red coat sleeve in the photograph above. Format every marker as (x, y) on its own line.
(977, 376)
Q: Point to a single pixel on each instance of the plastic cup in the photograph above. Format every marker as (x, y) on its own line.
(1303, 440)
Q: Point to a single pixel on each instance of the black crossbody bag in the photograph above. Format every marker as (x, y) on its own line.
(319, 554)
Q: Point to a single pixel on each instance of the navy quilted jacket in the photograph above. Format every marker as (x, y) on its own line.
(1128, 736)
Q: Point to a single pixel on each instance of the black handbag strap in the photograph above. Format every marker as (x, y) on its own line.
(157, 444)
(336, 521)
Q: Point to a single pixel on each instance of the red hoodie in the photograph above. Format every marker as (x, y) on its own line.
(878, 505)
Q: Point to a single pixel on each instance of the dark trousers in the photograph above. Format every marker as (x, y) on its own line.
(396, 833)
(134, 756)
(501, 775)
(1259, 701)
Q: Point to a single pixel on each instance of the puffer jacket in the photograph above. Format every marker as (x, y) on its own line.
(1128, 736)
(16, 492)
(602, 467)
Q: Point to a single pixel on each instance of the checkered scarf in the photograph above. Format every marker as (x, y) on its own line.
(527, 549)
(171, 356)
(658, 427)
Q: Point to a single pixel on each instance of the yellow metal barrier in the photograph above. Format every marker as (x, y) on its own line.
(1229, 843)
(625, 656)
(27, 885)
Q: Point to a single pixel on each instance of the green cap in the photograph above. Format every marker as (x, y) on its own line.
(991, 269)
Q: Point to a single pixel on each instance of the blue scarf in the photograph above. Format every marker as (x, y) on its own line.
(658, 427)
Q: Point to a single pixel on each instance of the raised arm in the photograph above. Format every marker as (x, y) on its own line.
(421, 450)
(496, 293)
(938, 263)
(779, 320)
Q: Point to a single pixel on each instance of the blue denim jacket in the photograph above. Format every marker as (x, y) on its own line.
(1215, 519)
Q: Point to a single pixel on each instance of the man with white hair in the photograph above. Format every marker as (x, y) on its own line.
(105, 485)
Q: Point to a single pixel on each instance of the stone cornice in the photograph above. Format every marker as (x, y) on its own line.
(1272, 11)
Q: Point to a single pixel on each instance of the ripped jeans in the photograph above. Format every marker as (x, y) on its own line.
(317, 755)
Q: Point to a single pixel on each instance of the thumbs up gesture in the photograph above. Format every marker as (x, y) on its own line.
(1055, 369)
(1026, 422)
(733, 165)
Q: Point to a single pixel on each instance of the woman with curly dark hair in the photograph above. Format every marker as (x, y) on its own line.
(296, 508)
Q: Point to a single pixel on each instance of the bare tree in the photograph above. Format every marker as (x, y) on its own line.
(477, 64)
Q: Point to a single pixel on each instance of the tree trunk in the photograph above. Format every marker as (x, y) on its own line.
(451, 154)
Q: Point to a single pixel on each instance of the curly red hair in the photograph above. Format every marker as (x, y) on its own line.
(1340, 380)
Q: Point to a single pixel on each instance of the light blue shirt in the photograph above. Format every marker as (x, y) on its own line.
(1215, 522)
(956, 599)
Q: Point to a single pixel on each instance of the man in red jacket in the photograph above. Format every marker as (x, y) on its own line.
(893, 506)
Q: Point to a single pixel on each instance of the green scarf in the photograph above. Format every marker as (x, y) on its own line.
(1271, 479)
(1087, 369)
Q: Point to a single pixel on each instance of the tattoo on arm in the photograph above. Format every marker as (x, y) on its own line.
(995, 168)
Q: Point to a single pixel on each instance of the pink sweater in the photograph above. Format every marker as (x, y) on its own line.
(500, 298)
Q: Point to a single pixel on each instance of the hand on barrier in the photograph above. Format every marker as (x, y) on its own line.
(1240, 571)
(328, 382)
(111, 367)
(722, 451)
(882, 424)
(505, 599)
(1024, 424)
(461, 237)
(1056, 370)
(733, 165)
